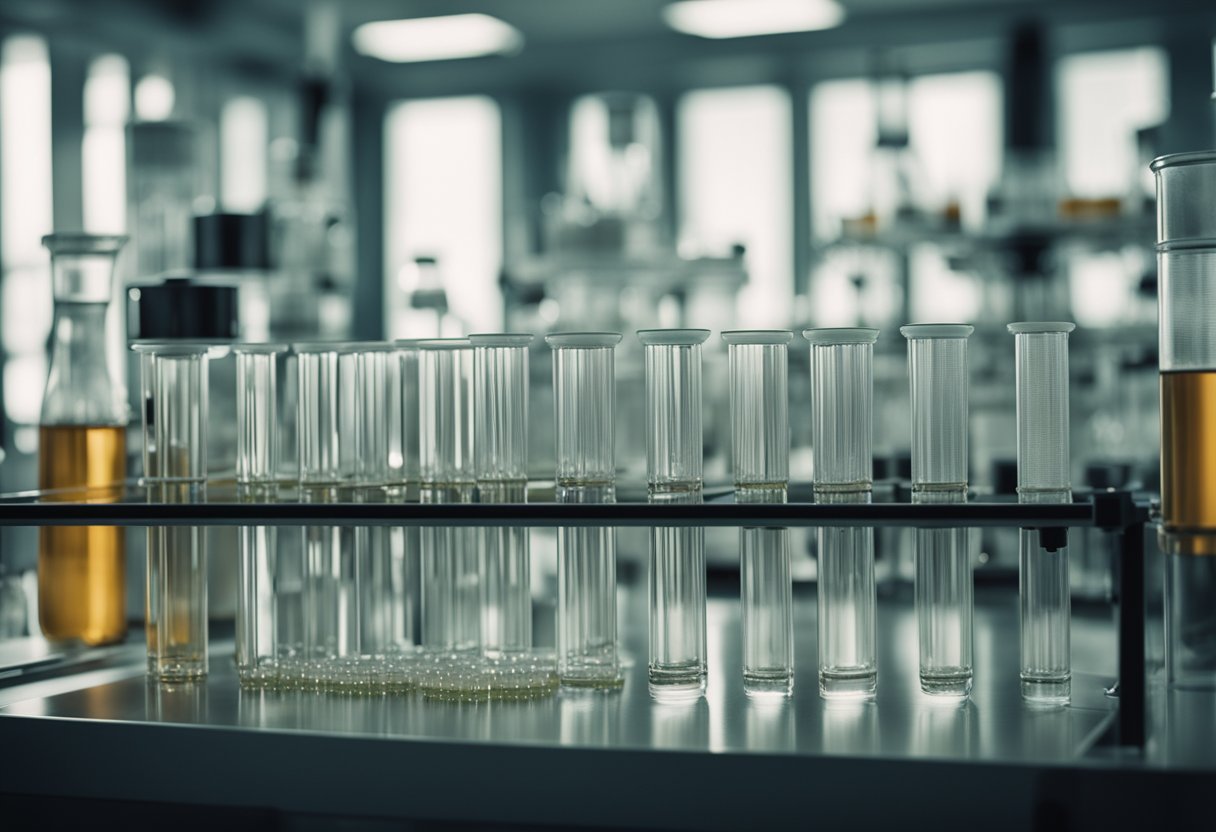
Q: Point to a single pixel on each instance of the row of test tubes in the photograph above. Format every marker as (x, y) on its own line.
(452, 416)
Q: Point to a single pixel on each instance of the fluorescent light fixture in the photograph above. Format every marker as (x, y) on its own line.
(437, 38)
(747, 18)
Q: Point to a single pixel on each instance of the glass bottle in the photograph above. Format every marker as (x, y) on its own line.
(82, 445)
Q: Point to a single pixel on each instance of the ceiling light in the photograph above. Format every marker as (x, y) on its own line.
(747, 18)
(436, 38)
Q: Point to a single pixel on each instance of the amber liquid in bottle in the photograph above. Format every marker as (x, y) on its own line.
(81, 569)
(1188, 451)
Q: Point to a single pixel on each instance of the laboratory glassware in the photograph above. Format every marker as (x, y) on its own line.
(758, 364)
(672, 359)
(175, 430)
(937, 374)
(1186, 268)
(259, 650)
(842, 391)
(584, 394)
(500, 370)
(450, 583)
(1043, 477)
(82, 445)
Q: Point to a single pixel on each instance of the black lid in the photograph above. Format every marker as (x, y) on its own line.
(179, 307)
(231, 241)
(426, 260)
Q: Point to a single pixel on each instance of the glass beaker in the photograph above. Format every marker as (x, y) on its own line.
(1186, 266)
(82, 445)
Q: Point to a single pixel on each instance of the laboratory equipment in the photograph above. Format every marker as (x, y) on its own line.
(1043, 477)
(677, 664)
(584, 394)
(842, 387)
(760, 443)
(402, 392)
(259, 648)
(82, 445)
(1186, 260)
(500, 370)
(175, 460)
(938, 381)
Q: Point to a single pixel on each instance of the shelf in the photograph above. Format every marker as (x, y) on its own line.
(225, 508)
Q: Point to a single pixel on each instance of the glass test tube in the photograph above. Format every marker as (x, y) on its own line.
(842, 389)
(176, 614)
(379, 606)
(500, 370)
(450, 594)
(759, 414)
(403, 475)
(1043, 477)
(673, 471)
(584, 394)
(326, 431)
(258, 649)
(937, 373)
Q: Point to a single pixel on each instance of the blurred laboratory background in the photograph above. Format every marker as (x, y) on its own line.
(369, 169)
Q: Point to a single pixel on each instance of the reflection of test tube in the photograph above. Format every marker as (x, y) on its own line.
(759, 415)
(500, 370)
(584, 393)
(673, 472)
(937, 371)
(326, 431)
(1043, 477)
(258, 650)
(177, 555)
(449, 575)
(842, 382)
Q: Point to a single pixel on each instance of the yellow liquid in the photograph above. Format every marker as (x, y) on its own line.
(81, 569)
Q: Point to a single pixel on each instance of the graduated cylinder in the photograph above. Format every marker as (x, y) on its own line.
(759, 414)
(584, 391)
(500, 450)
(1043, 477)
(842, 381)
(937, 372)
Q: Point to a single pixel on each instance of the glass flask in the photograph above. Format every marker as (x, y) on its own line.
(82, 445)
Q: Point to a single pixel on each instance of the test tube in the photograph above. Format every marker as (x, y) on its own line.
(379, 615)
(1043, 477)
(842, 382)
(677, 665)
(176, 615)
(937, 372)
(329, 462)
(258, 651)
(584, 393)
(760, 441)
(449, 575)
(402, 366)
(500, 369)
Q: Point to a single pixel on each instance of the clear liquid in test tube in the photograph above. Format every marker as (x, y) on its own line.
(1043, 477)
(678, 661)
(500, 370)
(260, 653)
(759, 410)
(937, 371)
(176, 613)
(842, 385)
(584, 388)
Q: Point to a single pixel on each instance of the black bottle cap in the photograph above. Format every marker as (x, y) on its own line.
(185, 308)
(231, 241)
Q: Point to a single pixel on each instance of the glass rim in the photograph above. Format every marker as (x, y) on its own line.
(319, 347)
(827, 336)
(461, 343)
(583, 340)
(501, 339)
(164, 347)
(1175, 160)
(758, 336)
(79, 242)
(1041, 327)
(914, 331)
(672, 337)
(259, 348)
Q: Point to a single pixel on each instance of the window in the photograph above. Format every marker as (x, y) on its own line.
(443, 197)
(735, 187)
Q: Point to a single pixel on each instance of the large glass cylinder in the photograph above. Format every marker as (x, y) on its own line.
(82, 445)
(1186, 265)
